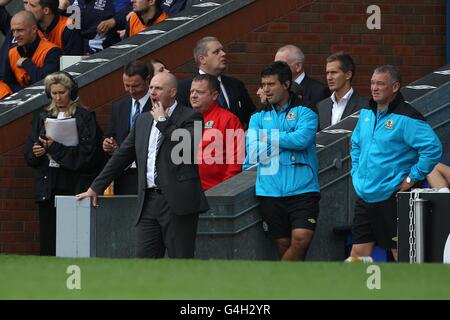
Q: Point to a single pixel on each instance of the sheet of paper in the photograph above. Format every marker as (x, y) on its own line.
(63, 131)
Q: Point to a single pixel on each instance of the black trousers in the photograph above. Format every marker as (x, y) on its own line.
(47, 227)
(160, 228)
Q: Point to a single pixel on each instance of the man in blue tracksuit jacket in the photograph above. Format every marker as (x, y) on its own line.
(393, 147)
(281, 139)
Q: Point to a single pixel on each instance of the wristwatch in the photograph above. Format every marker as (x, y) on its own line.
(409, 180)
(161, 118)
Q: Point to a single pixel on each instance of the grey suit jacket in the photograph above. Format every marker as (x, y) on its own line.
(180, 183)
(325, 109)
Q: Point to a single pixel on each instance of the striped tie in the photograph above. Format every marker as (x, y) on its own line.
(137, 112)
(158, 145)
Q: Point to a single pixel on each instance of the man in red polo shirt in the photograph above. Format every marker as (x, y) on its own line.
(222, 148)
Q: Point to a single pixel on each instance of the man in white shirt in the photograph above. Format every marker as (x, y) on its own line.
(344, 101)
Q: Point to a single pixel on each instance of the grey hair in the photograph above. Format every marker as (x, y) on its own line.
(295, 53)
(201, 48)
(393, 71)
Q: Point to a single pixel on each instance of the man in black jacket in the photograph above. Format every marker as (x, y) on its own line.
(210, 58)
(170, 194)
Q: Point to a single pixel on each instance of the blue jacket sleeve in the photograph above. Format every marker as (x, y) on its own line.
(304, 133)
(257, 143)
(355, 148)
(421, 137)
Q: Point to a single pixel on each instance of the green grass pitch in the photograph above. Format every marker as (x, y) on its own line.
(32, 277)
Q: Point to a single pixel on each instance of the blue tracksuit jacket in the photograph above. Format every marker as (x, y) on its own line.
(390, 145)
(283, 144)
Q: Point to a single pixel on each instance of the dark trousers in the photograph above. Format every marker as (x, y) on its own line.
(160, 228)
(47, 228)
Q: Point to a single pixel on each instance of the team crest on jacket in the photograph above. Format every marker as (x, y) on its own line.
(209, 124)
(290, 116)
(389, 124)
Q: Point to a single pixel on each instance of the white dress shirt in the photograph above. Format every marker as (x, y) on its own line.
(339, 107)
(151, 155)
(300, 78)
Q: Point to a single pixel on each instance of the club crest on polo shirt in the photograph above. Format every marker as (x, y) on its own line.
(291, 116)
(389, 124)
(209, 124)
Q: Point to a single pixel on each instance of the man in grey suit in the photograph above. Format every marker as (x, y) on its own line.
(170, 194)
(344, 101)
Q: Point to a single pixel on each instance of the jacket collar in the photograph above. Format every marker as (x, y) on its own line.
(392, 105)
(28, 50)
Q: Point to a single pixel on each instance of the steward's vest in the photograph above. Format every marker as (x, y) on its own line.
(56, 35)
(4, 90)
(38, 58)
(137, 26)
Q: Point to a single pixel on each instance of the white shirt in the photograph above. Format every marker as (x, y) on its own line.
(151, 154)
(221, 87)
(339, 107)
(300, 78)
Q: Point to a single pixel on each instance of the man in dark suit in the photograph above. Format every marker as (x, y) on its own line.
(307, 89)
(170, 194)
(210, 58)
(136, 79)
(344, 101)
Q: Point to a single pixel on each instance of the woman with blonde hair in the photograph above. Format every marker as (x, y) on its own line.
(62, 169)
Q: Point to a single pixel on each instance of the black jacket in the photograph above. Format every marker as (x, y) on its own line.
(78, 164)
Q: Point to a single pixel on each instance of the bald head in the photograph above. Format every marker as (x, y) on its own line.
(24, 28)
(163, 88)
(293, 56)
(26, 17)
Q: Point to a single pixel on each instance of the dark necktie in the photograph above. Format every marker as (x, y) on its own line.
(221, 98)
(137, 112)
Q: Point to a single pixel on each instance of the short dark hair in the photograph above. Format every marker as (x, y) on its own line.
(52, 4)
(393, 71)
(345, 61)
(279, 68)
(213, 82)
(137, 68)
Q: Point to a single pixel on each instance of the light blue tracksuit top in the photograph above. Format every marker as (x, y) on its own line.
(283, 144)
(390, 145)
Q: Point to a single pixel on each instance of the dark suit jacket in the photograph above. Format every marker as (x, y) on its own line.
(118, 128)
(325, 109)
(312, 90)
(180, 183)
(240, 102)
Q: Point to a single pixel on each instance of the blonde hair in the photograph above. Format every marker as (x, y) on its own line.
(64, 80)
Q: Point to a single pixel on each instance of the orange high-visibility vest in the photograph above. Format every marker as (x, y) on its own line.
(137, 26)
(56, 35)
(38, 58)
(4, 90)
